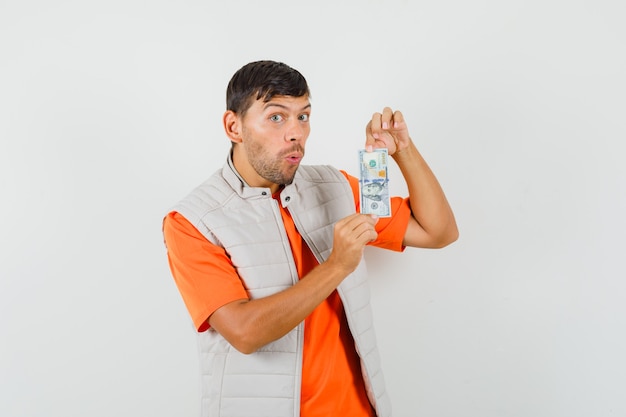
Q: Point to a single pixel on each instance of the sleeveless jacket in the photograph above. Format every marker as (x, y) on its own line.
(246, 221)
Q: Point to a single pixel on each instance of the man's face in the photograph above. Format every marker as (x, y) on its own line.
(273, 135)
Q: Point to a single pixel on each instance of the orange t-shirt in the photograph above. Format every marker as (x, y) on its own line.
(332, 383)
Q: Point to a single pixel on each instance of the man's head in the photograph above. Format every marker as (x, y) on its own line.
(267, 121)
(262, 80)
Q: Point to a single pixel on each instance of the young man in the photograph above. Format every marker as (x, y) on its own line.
(267, 255)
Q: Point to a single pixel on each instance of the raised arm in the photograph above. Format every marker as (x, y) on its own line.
(432, 224)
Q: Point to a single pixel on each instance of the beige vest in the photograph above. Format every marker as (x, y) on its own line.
(246, 221)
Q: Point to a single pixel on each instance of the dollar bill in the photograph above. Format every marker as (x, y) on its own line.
(374, 183)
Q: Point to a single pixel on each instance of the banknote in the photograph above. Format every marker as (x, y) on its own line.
(374, 183)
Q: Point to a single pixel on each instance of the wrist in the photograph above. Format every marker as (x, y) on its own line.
(336, 268)
(405, 153)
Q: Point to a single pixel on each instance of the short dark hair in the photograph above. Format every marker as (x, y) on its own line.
(263, 80)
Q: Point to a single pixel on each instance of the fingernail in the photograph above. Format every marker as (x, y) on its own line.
(375, 135)
(385, 125)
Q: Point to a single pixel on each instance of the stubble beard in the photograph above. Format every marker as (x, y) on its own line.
(270, 167)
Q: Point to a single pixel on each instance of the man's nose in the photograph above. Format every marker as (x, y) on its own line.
(295, 131)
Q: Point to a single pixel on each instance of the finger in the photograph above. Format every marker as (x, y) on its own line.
(398, 120)
(370, 140)
(354, 221)
(348, 219)
(357, 229)
(367, 237)
(371, 219)
(365, 233)
(386, 118)
(363, 223)
(375, 123)
(349, 223)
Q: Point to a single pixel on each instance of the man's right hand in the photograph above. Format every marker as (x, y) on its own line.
(351, 234)
(250, 324)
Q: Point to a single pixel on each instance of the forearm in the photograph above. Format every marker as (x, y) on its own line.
(429, 205)
(250, 324)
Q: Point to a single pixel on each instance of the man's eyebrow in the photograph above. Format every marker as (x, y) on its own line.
(282, 106)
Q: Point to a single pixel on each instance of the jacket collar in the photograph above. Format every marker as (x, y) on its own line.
(244, 190)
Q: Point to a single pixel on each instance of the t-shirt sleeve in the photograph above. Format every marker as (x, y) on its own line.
(203, 272)
(391, 230)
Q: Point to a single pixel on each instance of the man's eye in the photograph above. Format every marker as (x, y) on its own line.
(276, 118)
(304, 117)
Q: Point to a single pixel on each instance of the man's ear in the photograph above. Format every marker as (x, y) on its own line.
(232, 126)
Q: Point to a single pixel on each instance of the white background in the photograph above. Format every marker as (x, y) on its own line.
(110, 112)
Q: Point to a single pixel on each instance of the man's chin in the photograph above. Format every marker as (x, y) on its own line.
(289, 180)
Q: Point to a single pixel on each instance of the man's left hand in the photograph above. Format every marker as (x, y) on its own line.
(387, 130)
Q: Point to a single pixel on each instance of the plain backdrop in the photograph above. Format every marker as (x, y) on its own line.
(110, 112)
